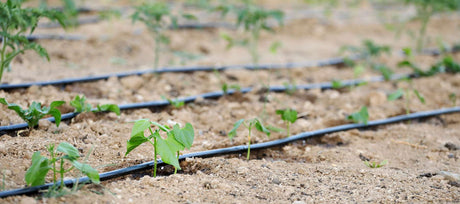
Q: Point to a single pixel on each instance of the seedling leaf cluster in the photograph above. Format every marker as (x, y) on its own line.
(249, 124)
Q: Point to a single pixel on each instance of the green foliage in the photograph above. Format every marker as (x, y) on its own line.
(360, 117)
(407, 95)
(370, 53)
(225, 87)
(15, 22)
(425, 10)
(249, 124)
(158, 18)
(336, 84)
(446, 65)
(80, 105)
(375, 164)
(69, 11)
(175, 103)
(453, 99)
(41, 165)
(253, 19)
(290, 88)
(289, 116)
(177, 140)
(35, 112)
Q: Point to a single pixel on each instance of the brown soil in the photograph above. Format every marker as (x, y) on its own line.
(326, 169)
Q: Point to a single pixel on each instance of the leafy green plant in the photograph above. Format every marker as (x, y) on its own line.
(249, 124)
(289, 116)
(177, 140)
(290, 88)
(446, 65)
(80, 105)
(225, 87)
(425, 10)
(158, 18)
(337, 84)
(15, 22)
(370, 53)
(69, 11)
(453, 99)
(253, 20)
(41, 165)
(35, 112)
(362, 116)
(175, 103)
(407, 95)
(375, 164)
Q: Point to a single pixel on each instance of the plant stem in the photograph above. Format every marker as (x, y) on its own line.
(249, 142)
(425, 18)
(62, 170)
(175, 169)
(407, 95)
(288, 124)
(154, 143)
(254, 44)
(2, 61)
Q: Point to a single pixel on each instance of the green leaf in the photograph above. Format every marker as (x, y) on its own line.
(232, 132)
(275, 46)
(289, 115)
(69, 150)
(167, 149)
(419, 96)
(395, 95)
(89, 171)
(36, 173)
(56, 114)
(337, 84)
(260, 127)
(135, 141)
(162, 127)
(360, 117)
(109, 107)
(139, 127)
(275, 129)
(185, 136)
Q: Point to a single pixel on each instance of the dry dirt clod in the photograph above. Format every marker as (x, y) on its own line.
(451, 146)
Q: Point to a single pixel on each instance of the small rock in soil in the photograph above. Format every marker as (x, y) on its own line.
(451, 146)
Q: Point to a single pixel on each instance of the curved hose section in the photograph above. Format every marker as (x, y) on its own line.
(308, 64)
(209, 95)
(238, 149)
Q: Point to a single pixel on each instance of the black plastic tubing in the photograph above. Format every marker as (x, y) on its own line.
(210, 95)
(308, 64)
(238, 149)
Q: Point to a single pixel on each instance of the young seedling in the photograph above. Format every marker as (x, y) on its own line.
(177, 140)
(249, 124)
(453, 99)
(289, 116)
(175, 103)
(425, 10)
(407, 95)
(41, 165)
(254, 20)
(158, 18)
(375, 164)
(36, 112)
(80, 105)
(15, 22)
(360, 117)
(224, 85)
(69, 11)
(370, 53)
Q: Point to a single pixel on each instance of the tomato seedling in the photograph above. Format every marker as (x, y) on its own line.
(253, 19)
(158, 18)
(168, 149)
(407, 95)
(80, 105)
(174, 102)
(289, 116)
(249, 124)
(15, 21)
(362, 116)
(41, 165)
(36, 112)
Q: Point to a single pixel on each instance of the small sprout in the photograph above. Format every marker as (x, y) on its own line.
(225, 87)
(174, 102)
(375, 164)
(289, 116)
(253, 20)
(274, 47)
(249, 124)
(395, 95)
(360, 117)
(453, 99)
(177, 140)
(41, 165)
(80, 105)
(407, 95)
(337, 84)
(290, 88)
(36, 112)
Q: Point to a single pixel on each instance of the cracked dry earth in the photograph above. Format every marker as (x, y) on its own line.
(422, 155)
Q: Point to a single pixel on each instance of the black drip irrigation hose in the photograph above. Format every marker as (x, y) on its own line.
(82, 21)
(309, 64)
(236, 149)
(35, 37)
(212, 95)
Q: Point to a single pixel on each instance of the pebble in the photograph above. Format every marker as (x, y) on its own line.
(276, 181)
